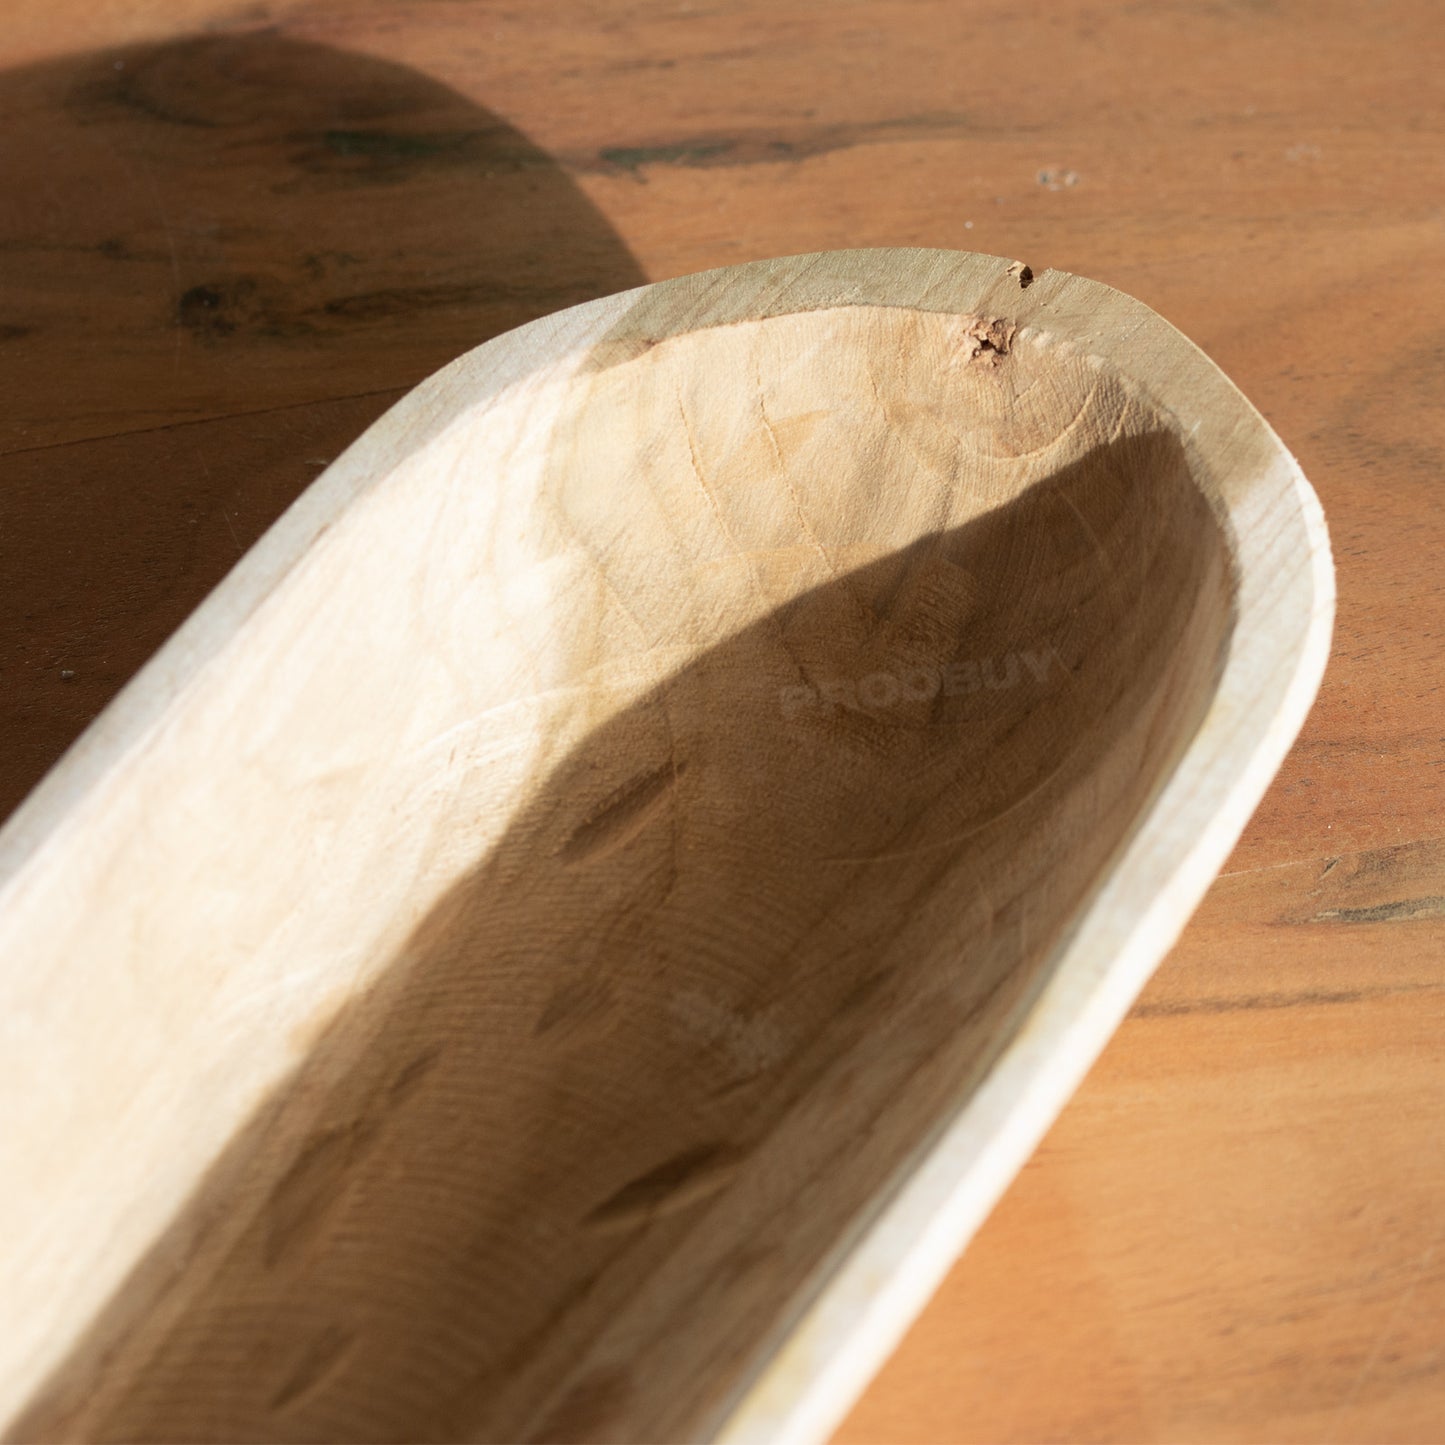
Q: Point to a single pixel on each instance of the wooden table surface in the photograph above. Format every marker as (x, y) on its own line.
(233, 231)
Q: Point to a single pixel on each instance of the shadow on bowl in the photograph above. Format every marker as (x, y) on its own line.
(750, 934)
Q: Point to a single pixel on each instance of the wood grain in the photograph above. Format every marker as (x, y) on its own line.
(1264, 175)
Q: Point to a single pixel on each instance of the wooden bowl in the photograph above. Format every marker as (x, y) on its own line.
(573, 936)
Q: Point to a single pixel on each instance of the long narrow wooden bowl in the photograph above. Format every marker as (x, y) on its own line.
(571, 938)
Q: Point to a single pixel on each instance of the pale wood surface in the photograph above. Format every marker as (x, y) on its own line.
(1233, 1232)
(515, 995)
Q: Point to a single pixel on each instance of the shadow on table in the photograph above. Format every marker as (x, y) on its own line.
(223, 258)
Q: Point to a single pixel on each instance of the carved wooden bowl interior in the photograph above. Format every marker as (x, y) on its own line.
(700, 764)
